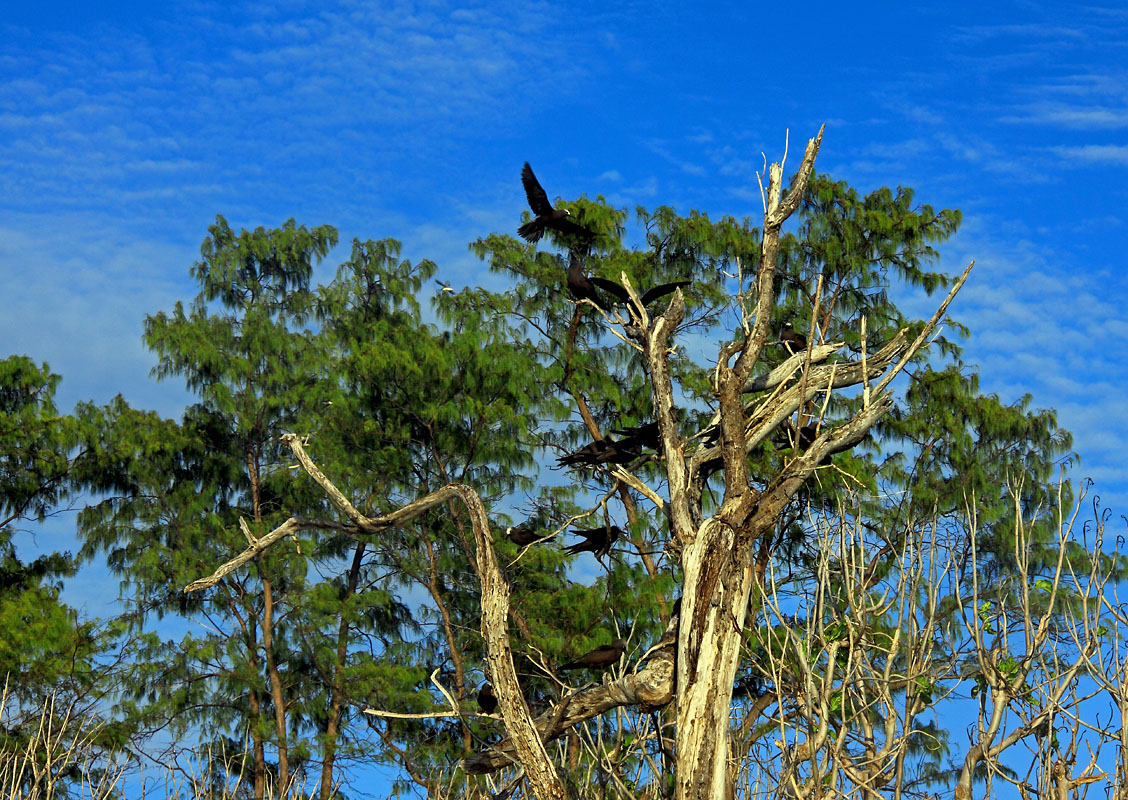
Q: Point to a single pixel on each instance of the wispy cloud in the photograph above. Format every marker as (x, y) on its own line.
(1075, 117)
(1041, 31)
(92, 113)
(662, 149)
(1116, 154)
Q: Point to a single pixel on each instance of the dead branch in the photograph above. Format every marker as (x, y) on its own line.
(650, 688)
(526, 742)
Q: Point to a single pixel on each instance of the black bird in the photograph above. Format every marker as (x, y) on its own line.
(639, 436)
(586, 454)
(602, 451)
(649, 296)
(546, 216)
(623, 452)
(711, 468)
(801, 438)
(599, 658)
(487, 700)
(596, 540)
(521, 536)
(794, 342)
(580, 286)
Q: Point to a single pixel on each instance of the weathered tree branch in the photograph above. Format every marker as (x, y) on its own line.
(287, 528)
(527, 744)
(649, 688)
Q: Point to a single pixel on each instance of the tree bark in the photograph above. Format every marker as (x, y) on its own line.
(716, 558)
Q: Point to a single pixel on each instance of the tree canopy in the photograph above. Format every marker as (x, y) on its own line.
(353, 460)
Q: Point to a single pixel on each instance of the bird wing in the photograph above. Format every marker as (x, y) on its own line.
(587, 533)
(538, 199)
(618, 455)
(654, 293)
(580, 547)
(611, 288)
(641, 433)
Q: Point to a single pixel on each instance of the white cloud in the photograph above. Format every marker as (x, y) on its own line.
(1078, 118)
(1116, 154)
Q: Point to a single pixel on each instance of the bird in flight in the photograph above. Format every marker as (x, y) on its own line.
(545, 216)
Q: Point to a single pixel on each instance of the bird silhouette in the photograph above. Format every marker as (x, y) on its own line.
(522, 536)
(619, 292)
(647, 435)
(801, 438)
(596, 540)
(487, 700)
(599, 658)
(602, 451)
(620, 451)
(586, 454)
(545, 215)
(580, 286)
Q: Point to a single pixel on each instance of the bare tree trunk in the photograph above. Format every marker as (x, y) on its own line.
(714, 603)
(716, 557)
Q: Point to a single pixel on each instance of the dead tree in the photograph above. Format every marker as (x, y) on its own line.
(721, 556)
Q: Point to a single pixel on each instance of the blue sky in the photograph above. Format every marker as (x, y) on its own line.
(126, 127)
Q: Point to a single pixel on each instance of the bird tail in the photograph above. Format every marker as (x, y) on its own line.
(530, 231)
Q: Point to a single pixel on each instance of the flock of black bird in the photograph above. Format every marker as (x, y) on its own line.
(632, 442)
(627, 448)
(597, 541)
(603, 293)
(580, 286)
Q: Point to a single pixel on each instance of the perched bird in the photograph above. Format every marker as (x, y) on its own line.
(711, 468)
(787, 436)
(639, 436)
(794, 341)
(546, 216)
(487, 700)
(580, 286)
(601, 451)
(618, 453)
(586, 454)
(596, 540)
(521, 536)
(649, 296)
(599, 658)
(801, 438)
